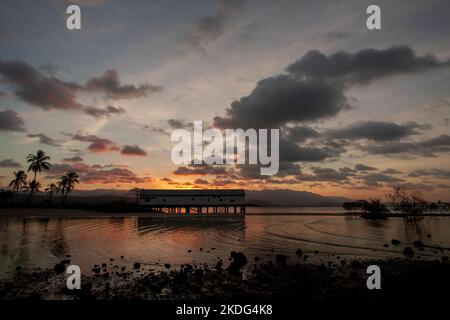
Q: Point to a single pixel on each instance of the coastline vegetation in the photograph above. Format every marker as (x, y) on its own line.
(408, 204)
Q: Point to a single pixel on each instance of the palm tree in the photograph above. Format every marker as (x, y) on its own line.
(67, 184)
(51, 188)
(33, 187)
(19, 181)
(38, 162)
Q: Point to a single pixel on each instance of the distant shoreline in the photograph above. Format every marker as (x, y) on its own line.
(73, 213)
(80, 213)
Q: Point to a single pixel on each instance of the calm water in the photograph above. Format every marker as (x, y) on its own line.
(42, 242)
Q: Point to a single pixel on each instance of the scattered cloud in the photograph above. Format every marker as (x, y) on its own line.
(73, 159)
(9, 163)
(364, 66)
(133, 150)
(203, 169)
(210, 27)
(44, 139)
(435, 173)
(109, 84)
(51, 93)
(11, 121)
(376, 130)
(362, 167)
(97, 174)
(96, 144)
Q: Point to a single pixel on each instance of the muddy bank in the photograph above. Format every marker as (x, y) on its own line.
(402, 278)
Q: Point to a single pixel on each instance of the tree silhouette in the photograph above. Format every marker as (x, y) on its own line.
(38, 162)
(67, 184)
(33, 186)
(19, 182)
(51, 188)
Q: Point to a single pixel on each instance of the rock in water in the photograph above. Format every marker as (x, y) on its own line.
(281, 259)
(219, 265)
(239, 260)
(395, 242)
(418, 244)
(408, 251)
(59, 268)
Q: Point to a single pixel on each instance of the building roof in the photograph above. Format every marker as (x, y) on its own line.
(188, 192)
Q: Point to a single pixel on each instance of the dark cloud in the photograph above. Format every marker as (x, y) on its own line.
(179, 124)
(314, 87)
(73, 159)
(114, 175)
(109, 84)
(416, 186)
(175, 124)
(133, 150)
(210, 27)
(376, 179)
(253, 171)
(203, 169)
(44, 139)
(426, 148)
(376, 130)
(362, 167)
(97, 174)
(336, 35)
(326, 175)
(435, 173)
(363, 66)
(391, 171)
(200, 181)
(59, 169)
(37, 89)
(106, 112)
(9, 163)
(276, 101)
(48, 92)
(299, 133)
(11, 121)
(96, 144)
(290, 151)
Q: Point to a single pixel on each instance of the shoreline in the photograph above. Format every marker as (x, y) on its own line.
(402, 278)
(83, 213)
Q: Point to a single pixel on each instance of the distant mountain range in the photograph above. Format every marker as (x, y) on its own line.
(269, 197)
(286, 197)
(276, 197)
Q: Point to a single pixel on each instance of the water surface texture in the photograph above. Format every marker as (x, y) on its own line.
(42, 242)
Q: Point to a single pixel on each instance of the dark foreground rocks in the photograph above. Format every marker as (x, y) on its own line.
(400, 279)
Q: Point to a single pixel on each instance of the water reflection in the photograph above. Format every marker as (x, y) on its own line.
(42, 242)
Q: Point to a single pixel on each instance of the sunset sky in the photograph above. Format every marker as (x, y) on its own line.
(358, 110)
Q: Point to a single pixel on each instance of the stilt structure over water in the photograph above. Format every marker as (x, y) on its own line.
(217, 201)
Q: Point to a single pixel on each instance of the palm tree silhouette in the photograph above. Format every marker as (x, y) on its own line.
(38, 162)
(51, 188)
(33, 186)
(67, 184)
(19, 182)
